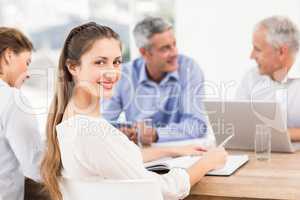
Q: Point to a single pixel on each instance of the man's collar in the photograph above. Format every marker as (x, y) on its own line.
(171, 75)
(144, 76)
(294, 72)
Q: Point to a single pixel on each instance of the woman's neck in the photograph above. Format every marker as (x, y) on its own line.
(83, 102)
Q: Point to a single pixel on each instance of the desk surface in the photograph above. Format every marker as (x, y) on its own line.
(277, 179)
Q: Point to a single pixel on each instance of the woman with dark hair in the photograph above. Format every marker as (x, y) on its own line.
(83, 145)
(20, 144)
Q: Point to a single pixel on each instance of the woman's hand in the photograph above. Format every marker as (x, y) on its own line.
(212, 159)
(215, 158)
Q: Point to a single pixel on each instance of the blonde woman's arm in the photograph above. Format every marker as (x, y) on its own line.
(155, 153)
(213, 159)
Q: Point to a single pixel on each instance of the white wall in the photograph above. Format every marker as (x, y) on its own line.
(218, 34)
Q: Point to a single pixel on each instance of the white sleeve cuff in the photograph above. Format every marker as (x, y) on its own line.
(178, 183)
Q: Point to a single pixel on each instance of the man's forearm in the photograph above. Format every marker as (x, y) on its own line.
(187, 129)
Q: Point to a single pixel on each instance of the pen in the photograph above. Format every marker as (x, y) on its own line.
(226, 140)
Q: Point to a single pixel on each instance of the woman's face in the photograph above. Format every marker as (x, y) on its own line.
(15, 69)
(99, 70)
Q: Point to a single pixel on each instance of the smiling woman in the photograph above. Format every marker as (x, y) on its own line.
(89, 67)
(103, 70)
(81, 145)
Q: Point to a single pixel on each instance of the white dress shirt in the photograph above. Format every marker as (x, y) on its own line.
(20, 144)
(91, 148)
(287, 92)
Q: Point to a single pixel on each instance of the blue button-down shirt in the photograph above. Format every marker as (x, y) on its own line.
(175, 104)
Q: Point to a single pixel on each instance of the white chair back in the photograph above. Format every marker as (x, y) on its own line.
(143, 189)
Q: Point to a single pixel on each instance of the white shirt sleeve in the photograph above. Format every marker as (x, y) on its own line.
(24, 139)
(111, 155)
(244, 90)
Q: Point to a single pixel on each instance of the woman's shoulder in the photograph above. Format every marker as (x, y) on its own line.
(86, 133)
(86, 127)
(11, 99)
(82, 121)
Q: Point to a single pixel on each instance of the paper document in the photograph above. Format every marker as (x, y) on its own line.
(163, 165)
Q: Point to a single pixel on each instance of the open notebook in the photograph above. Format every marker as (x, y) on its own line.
(164, 165)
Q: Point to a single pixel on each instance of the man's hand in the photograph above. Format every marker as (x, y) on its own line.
(131, 133)
(148, 136)
(140, 133)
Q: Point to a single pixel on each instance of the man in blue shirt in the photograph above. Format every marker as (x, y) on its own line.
(161, 85)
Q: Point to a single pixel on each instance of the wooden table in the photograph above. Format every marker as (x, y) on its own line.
(277, 179)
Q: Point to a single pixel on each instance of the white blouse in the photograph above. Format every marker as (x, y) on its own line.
(91, 148)
(20, 143)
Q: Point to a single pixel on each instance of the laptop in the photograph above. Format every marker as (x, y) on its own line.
(241, 117)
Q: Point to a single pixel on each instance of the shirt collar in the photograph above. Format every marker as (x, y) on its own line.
(171, 75)
(144, 77)
(294, 72)
(3, 83)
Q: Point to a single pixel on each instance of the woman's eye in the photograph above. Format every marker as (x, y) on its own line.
(118, 62)
(100, 62)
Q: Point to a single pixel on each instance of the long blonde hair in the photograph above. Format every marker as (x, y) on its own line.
(78, 42)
